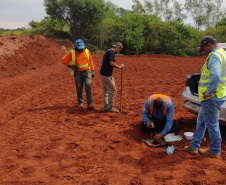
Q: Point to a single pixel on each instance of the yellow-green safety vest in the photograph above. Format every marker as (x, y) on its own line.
(73, 60)
(205, 76)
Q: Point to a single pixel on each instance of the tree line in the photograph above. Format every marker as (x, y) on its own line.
(152, 26)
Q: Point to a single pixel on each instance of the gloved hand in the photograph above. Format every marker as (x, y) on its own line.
(73, 67)
(93, 74)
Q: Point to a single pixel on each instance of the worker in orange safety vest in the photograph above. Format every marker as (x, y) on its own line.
(158, 116)
(80, 61)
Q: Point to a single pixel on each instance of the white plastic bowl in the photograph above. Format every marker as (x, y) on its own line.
(189, 135)
(171, 139)
(169, 136)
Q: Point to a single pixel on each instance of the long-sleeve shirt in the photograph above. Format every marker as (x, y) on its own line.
(159, 115)
(80, 59)
(214, 65)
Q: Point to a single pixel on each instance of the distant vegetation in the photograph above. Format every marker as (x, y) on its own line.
(153, 26)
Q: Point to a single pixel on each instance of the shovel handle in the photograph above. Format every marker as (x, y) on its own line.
(121, 90)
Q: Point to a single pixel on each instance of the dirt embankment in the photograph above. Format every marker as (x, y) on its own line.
(46, 139)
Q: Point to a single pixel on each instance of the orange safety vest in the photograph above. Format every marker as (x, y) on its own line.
(84, 65)
(165, 103)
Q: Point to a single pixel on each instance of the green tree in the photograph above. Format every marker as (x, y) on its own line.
(197, 9)
(129, 29)
(80, 15)
(34, 24)
(165, 39)
(161, 9)
(221, 23)
(205, 13)
(179, 15)
(221, 33)
(214, 12)
(149, 7)
(50, 27)
(132, 30)
(105, 30)
(115, 9)
(157, 7)
(138, 7)
(188, 38)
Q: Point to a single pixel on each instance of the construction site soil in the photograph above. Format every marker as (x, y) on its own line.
(46, 139)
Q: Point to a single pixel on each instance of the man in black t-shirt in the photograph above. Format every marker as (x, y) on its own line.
(108, 82)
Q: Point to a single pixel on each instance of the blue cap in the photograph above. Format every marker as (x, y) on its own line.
(79, 44)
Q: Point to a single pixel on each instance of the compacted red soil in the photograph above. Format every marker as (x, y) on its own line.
(46, 139)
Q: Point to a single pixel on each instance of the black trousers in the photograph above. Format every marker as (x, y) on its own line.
(159, 125)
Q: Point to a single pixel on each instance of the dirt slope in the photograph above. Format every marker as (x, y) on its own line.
(46, 139)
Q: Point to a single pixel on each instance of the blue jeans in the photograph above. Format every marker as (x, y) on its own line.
(80, 78)
(208, 118)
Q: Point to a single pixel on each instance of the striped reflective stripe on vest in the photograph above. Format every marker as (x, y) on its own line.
(165, 104)
(223, 72)
(82, 66)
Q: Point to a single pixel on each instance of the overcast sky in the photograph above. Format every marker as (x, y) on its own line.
(18, 13)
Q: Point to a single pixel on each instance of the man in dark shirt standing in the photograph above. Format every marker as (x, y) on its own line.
(108, 82)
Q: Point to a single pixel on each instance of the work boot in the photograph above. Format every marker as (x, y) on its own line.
(190, 150)
(90, 106)
(113, 110)
(80, 105)
(106, 108)
(208, 153)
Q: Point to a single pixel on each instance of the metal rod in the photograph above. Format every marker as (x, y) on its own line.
(121, 90)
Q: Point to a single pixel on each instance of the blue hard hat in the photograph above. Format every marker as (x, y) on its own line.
(79, 44)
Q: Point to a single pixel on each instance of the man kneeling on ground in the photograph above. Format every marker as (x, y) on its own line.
(158, 116)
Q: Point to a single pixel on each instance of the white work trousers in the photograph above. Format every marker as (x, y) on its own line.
(109, 91)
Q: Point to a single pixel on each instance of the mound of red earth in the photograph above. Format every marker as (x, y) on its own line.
(46, 139)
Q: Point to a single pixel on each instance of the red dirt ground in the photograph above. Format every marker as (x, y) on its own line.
(46, 139)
